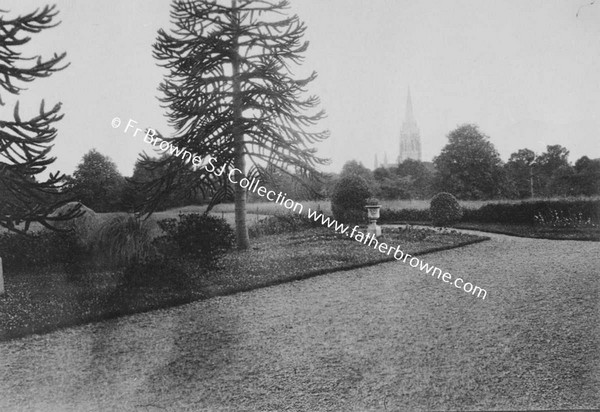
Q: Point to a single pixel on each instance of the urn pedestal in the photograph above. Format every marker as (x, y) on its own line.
(373, 215)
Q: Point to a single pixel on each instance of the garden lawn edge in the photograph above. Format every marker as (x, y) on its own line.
(25, 332)
(468, 226)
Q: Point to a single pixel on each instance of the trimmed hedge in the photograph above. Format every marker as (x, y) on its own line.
(524, 212)
(504, 213)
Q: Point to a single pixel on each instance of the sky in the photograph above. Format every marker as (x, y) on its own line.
(527, 72)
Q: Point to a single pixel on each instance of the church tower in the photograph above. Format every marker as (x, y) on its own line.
(410, 137)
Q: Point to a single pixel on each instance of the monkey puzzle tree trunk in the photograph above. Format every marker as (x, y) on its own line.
(241, 230)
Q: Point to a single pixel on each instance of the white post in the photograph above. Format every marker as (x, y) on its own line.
(1, 279)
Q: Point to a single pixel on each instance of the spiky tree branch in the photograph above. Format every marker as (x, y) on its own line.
(230, 94)
(25, 143)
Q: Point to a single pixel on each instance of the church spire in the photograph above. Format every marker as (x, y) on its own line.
(409, 117)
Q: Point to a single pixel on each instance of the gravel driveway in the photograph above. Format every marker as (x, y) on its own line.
(386, 337)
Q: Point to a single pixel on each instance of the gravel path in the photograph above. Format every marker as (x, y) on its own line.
(386, 337)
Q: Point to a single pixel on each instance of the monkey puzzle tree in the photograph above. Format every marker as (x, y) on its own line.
(230, 94)
(25, 143)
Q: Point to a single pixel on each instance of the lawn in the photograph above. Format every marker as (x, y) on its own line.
(41, 300)
(582, 233)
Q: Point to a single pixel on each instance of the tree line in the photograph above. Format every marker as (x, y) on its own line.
(470, 168)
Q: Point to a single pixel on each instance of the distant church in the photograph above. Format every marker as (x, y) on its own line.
(410, 139)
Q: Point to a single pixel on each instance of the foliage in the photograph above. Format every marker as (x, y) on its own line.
(373, 201)
(295, 185)
(349, 199)
(202, 237)
(123, 240)
(97, 183)
(519, 170)
(40, 248)
(586, 179)
(133, 196)
(561, 219)
(470, 166)
(444, 209)
(281, 223)
(525, 212)
(26, 143)
(225, 61)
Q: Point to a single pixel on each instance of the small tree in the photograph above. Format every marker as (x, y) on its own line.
(25, 143)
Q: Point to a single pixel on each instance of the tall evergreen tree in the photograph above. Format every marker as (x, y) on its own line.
(230, 94)
(25, 143)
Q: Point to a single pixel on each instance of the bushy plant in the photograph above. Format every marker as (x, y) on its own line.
(201, 237)
(349, 199)
(444, 209)
(123, 240)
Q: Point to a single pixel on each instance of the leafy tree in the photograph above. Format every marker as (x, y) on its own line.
(97, 183)
(587, 176)
(355, 168)
(520, 171)
(549, 163)
(420, 178)
(561, 182)
(231, 95)
(25, 143)
(469, 166)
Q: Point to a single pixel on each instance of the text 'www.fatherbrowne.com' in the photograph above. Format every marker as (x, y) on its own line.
(370, 240)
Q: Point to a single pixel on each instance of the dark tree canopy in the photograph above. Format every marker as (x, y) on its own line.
(25, 143)
(469, 166)
(97, 183)
(231, 94)
(520, 173)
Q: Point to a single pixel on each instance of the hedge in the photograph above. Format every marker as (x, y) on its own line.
(388, 215)
(504, 213)
(524, 212)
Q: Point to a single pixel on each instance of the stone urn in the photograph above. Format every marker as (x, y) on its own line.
(373, 207)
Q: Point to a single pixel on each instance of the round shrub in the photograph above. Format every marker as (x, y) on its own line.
(201, 237)
(349, 198)
(444, 209)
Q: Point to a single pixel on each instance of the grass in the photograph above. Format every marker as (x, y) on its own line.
(270, 208)
(590, 233)
(46, 299)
